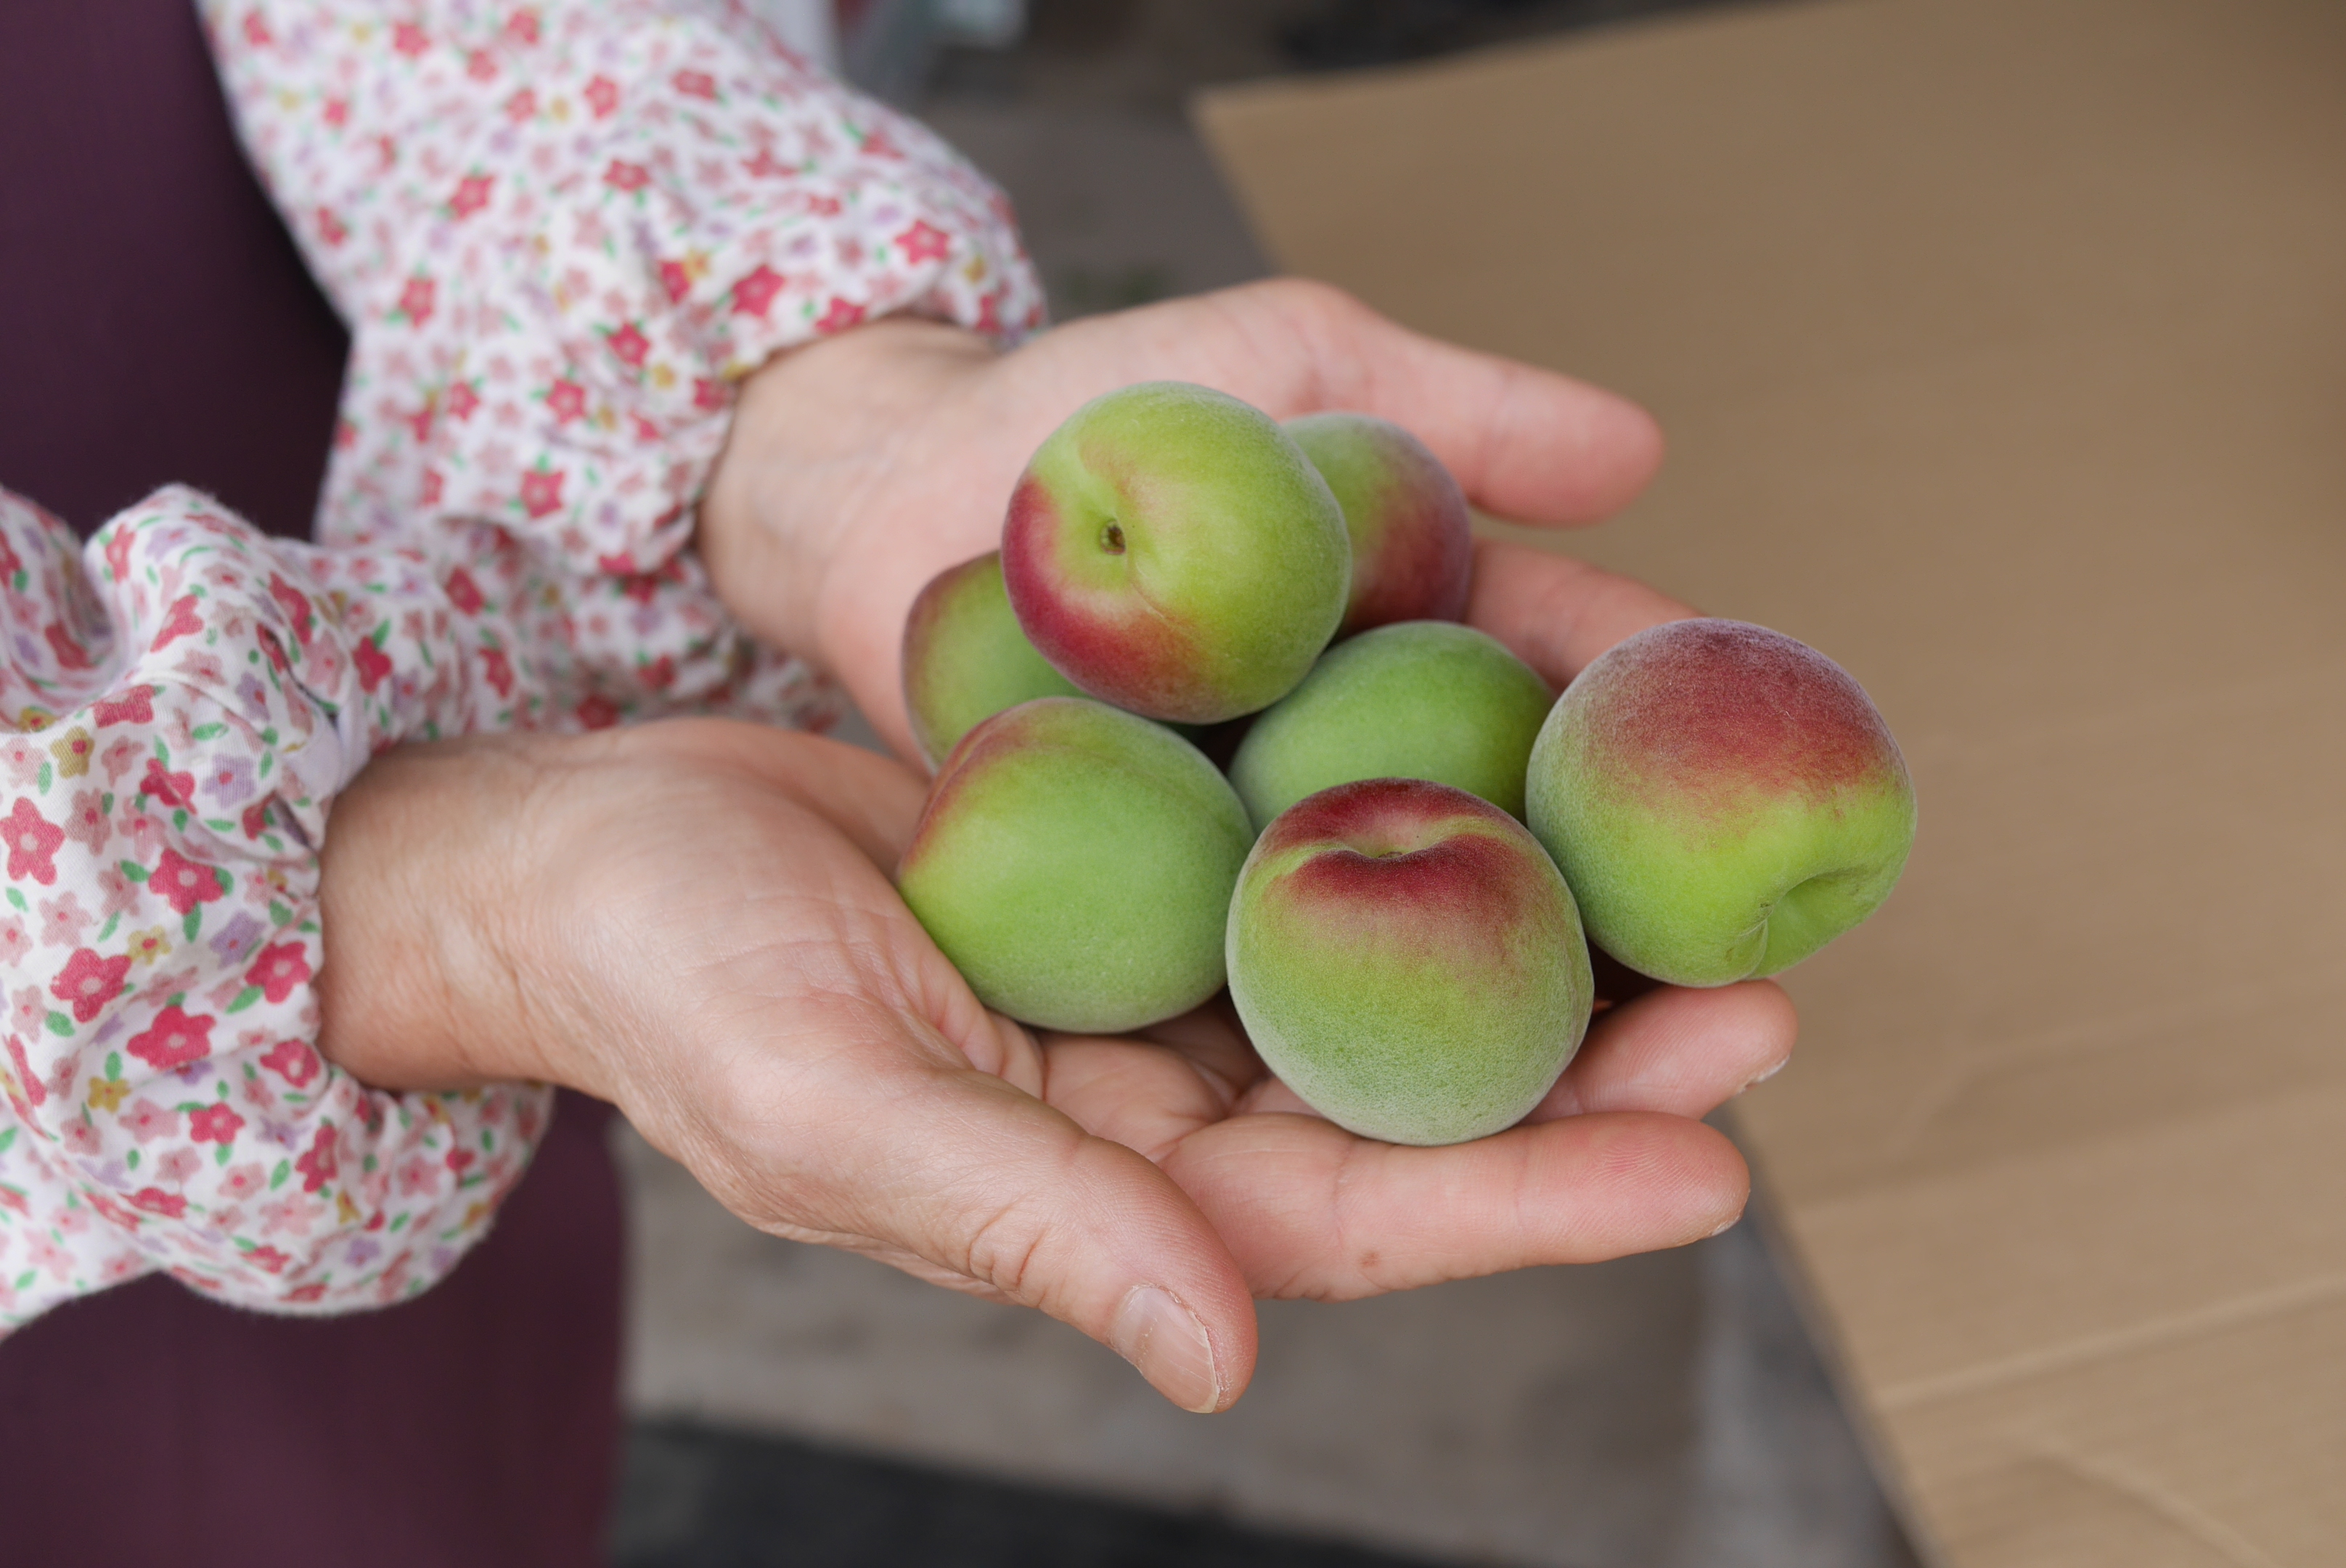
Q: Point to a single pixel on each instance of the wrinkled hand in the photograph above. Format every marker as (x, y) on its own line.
(862, 465)
(694, 921)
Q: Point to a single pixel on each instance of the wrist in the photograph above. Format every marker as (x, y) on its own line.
(819, 434)
(427, 914)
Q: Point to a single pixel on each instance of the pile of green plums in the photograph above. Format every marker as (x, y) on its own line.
(1394, 874)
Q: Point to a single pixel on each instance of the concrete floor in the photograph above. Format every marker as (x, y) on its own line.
(1655, 1412)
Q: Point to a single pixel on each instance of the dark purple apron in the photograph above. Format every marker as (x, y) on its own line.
(156, 324)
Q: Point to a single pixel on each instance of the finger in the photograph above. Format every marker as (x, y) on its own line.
(874, 1136)
(1308, 1209)
(1555, 613)
(1525, 442)
(1682, 1052)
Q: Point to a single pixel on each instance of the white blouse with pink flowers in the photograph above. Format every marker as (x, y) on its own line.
(558, 233)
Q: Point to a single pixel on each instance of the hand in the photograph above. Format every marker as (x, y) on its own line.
(862, 465)
(693, 919)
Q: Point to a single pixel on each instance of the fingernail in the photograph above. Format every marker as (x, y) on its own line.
(1760, 1077)
(1164, 1339)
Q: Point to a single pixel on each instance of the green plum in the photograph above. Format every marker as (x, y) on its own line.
(1076, 864)
(1412, 535)
(1169, 550)
(965, 660)
(1406, 958)
(1417, 700)
(1723, 799)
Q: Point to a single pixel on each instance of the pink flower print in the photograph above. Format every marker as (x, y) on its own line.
(147, 1121)
(481, 66)
(541, 491)
(120, 756)
(135, 705)
(169, 788)
(696, 85)
(63, 919)
(754, 294)
(33, 841)
(42, 1253)
(27, 1013)
(318, 1166)
(522, 106)
(675, 281)
(85, 822)
(460, 399)
(183, 883)
(330, 228)
(596, 711)
(239, 1183)
(268, 1258)
(296, 605)
(415, 301)
(148, 946)
(372, 663)
(279, 969)
(497, 670)
(840, 316)
(228, 779)
(146, 832)
(14, 942)
(522, 25)
(80, 1138)
(118, 545)
(463, 593)
(68, 648)
(215, 1123)
(178, 1164)
(25, 763)
(565, 399)
(924, 241)
(293, 1060)
(338, 112)
(472, 194)
(602, 97)
(409, 39)
(117, 893)
(182, 621)
(709, 396)
(256, 30)
(626, 177)
(765, 166)
(174, 1039)
(255, 820)
(88, 982)
(630, 345)
(155, 1200)
(878, 145)
(418, 1176)
(73, 750)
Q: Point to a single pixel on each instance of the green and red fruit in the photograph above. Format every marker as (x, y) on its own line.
(1418, 699)
(1076, 864)
(1169, 550)
(1407, 959)
(965, 660)
(1413, 535)
(1723, 799)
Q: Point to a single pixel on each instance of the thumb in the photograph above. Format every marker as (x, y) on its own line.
(1022, 1199)
(892, 1143)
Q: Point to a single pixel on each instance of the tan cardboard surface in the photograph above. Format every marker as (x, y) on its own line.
(2003, 348)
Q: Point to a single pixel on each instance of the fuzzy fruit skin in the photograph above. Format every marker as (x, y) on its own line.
(1723, 799)
(1407, 959)
(1417, 700)
(1169, 550)
(965, 660)
(1413, 535)
(1076, 863)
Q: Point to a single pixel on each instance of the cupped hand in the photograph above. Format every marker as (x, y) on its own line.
(693, 919)
(861, 465)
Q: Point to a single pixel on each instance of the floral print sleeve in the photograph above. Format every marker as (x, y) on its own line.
(178, 701)
(559, 233)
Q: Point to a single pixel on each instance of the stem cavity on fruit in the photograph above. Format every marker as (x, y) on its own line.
(1112, 539)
